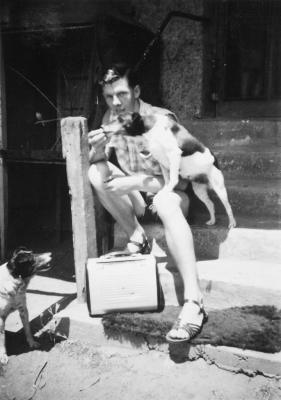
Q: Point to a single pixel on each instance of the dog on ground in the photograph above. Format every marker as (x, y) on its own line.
(15, 276)
(179, 154)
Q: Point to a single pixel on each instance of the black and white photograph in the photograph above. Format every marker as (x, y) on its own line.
(140, 199)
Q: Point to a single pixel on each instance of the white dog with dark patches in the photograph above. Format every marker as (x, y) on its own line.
(15, 276)
(179, 154)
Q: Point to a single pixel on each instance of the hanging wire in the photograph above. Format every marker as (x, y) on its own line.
(35, 87)
(49, 28)
(160, 30)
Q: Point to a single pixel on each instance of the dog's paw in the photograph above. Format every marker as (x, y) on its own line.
(211, 222)
(232, 224)
(33, 344)
(152, 208)
(4, 358)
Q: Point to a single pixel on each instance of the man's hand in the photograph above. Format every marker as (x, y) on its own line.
(97, 140)
(97, 137)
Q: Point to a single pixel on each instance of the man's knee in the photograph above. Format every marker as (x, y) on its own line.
(97, 174)
(169, 203)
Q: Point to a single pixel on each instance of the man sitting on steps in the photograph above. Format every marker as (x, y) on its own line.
(119, 192)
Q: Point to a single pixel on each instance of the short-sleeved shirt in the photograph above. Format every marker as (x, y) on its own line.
(132, 152)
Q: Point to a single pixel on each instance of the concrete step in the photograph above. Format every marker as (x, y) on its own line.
(227, 283)
(254, 197)
(247, 243)
(239, 132)
(252, 239)
(255, 162)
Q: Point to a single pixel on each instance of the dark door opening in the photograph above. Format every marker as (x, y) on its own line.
(66, 69)
(248, 55)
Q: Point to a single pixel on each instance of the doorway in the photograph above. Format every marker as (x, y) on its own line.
(247, 58)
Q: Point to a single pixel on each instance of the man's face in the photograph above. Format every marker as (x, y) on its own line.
(120, 97)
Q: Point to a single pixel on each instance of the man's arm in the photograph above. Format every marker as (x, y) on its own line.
(98, 141)
(141, 182)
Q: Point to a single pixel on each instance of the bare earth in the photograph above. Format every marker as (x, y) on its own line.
(69, 370)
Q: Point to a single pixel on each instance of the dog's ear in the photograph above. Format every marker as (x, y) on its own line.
(136, 116)
(13, 257)
(22, 256)
(136, 127)
(21, 263)
(19, 249)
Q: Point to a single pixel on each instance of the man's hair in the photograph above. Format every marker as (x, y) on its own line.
(118, 71)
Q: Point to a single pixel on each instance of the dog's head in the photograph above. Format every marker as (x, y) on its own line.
(24, 263)
(131, 124)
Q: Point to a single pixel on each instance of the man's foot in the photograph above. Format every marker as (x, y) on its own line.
(189, 323)
(134, 247)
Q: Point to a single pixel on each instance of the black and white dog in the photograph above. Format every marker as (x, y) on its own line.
(178, 153)
(15, 276)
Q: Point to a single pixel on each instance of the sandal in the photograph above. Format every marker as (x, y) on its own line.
(142, 248)
(192, 330)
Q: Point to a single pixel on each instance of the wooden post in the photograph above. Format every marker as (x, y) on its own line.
(76, 152)
(3, 167)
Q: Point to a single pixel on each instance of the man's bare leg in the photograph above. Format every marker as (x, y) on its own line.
(172, 209)
(122, 208)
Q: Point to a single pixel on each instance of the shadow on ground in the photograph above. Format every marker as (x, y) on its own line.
(250, 327)
(16, 343)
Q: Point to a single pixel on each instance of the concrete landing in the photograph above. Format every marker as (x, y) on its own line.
(228, 283)
(225, 283)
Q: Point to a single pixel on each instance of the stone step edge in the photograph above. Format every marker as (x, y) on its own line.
(219, 292)
(92, 333)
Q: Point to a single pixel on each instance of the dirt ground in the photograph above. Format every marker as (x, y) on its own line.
(70, 370)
